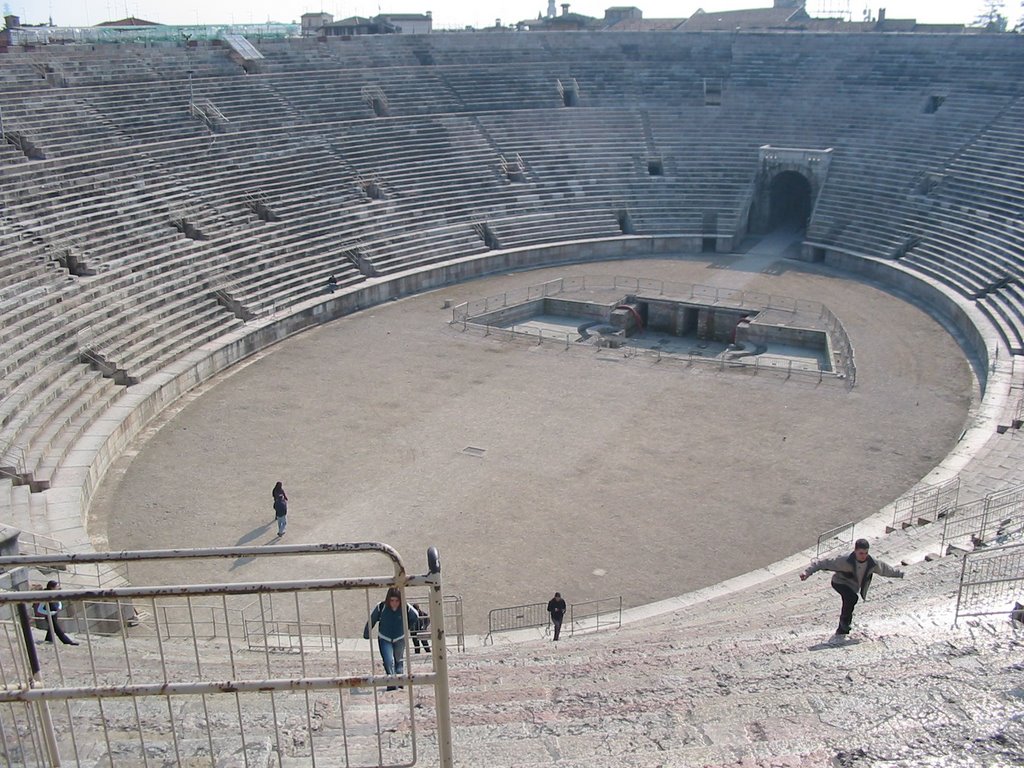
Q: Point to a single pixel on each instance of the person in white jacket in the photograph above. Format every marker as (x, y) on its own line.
(852, 577)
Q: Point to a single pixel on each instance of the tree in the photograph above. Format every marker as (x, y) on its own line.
(991, 16)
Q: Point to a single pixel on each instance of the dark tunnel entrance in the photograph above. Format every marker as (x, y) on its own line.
(789, 201)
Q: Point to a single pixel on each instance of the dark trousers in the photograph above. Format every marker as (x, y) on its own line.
(557, 621)
(421, 638)
(849, 602)
(58, 631)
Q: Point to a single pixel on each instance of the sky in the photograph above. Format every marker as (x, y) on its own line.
(453, 14)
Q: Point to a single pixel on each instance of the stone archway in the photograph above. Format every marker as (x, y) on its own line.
(789, 201)
(785, 188)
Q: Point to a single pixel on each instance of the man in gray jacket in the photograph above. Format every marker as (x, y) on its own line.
(852, 576)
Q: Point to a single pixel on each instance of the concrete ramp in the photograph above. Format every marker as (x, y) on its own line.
(246, 50)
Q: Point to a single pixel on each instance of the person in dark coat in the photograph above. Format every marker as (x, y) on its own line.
(556, 608)
(280, 508)
(421, 637)
(47, 614)
(851, 578)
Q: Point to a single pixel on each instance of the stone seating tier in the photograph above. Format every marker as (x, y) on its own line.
(284, 194)
(743, 678)
(62, 66)
(264, 100)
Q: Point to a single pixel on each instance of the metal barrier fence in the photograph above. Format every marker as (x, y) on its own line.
(962, 523)
(588, 616)
(455, 629)
(143, 35)
(991, 580)
(926, 504)
(253, 622)
(842, 349)
(777, 366)
(250, 620)
(140, 696)
(454, 626)
(640, 286)
(978, 521)
(835, 538)
(517, 617)
(595, 615)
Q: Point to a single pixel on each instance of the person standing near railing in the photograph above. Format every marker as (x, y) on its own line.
(47, 612)
(556, 608)
(421, 635)
(391, 632)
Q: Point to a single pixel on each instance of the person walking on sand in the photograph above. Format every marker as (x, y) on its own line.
(280, 508)
(851, 578)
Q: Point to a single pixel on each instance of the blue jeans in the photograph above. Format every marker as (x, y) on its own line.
(392, 653)
(282, 523)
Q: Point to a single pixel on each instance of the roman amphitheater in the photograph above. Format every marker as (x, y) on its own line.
(653, 320)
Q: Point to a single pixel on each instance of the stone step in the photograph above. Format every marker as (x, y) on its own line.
(20, 513)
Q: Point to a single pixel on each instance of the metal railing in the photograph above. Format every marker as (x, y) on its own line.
(517, 617)
(455, 629)
(588, 616)
(836, 538)
(991, 581)
(798, 310)
(76, 574)
(256, 622)
(595, 615)
(454, 623)
(140, 695)
(977, 522)
(642, 286)
(171, 34)
(926, 504)
(13, 462)
(785, 368)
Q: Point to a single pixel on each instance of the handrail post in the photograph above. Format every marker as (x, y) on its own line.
(439, 649)
(43, 707)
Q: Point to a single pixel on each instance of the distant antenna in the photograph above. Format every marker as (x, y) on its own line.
(833, 9)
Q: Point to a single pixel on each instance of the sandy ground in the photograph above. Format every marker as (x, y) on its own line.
(599, 475)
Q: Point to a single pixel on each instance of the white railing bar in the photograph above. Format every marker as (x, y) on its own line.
(204, 552)
(205, 687)
(179, 590)
(337, 666)
(989, 582)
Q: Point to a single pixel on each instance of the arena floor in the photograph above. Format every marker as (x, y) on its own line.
(599, 475)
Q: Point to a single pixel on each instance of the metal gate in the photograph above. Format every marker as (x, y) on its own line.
(253, 673)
